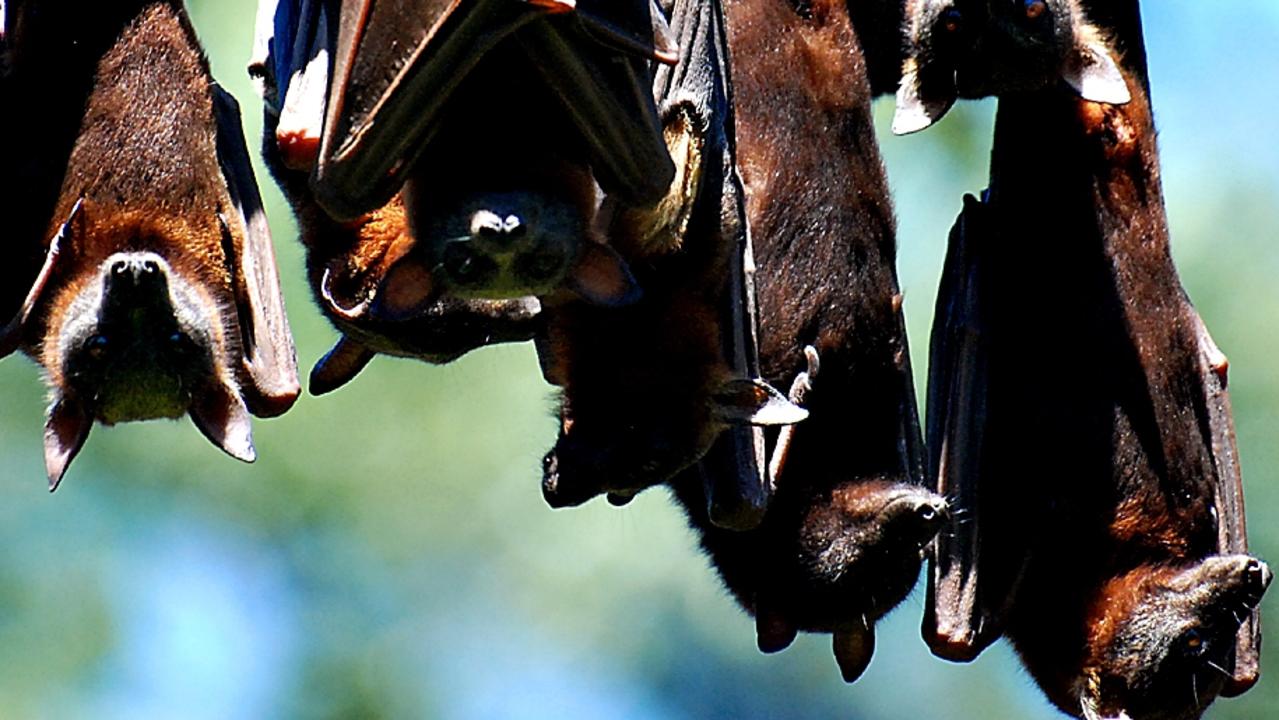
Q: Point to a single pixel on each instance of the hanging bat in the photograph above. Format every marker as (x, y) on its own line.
(157, 295)
(978, 48)
(647, 389)
(844, 536)
(487, 216)
(1080, 426)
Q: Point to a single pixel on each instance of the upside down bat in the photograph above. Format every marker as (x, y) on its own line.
(843, 539)
(977, 48)
(647, 389)
(156, 292)
(455, 171)
(1079, 422)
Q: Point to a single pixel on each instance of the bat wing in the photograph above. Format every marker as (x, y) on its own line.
(394, 66)
(1232, 531)
(378, 123)
(268, 371)
(959, 620)
(610, 100)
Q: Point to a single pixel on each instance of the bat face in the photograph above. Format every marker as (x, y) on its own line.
(1164, 645)
(979, 48)
(158, 294)
(136, 340)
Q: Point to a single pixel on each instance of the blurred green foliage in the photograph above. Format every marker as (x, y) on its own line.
(390, 556)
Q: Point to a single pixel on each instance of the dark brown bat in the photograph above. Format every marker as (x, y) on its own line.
(499, 119)
(1080, 425)
(648, 388)
(978, 48)
(843, 539)
(157, 295)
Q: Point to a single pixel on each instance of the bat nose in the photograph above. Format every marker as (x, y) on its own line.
(135, 271)
(499, 231)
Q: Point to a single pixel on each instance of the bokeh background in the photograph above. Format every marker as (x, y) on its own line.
(390, 556)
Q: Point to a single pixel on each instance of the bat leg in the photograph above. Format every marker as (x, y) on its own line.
(854, 645)
(799, 390)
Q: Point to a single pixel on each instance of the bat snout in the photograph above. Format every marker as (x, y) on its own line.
(128, 274)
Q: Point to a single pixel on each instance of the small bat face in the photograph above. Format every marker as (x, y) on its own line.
(136, 340)
(1163, 647)
(505, 245)
(979, 48)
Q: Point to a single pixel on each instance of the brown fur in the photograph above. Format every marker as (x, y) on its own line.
(150, 306)
(841, 543)
(1098, 476)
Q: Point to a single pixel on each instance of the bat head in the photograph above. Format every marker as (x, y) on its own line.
(978, 48)
(1161, 643)
(868, 523)
(135, 340)
(513, 244)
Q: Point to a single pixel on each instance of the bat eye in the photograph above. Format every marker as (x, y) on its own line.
(1192, 643)
(1035, 8)
(951, 20)
(96, 346)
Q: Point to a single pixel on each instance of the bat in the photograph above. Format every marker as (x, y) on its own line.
(1079, 424)
(978, 48)
(157, 293)
(648, 388)
(844, 536)
(488, 218)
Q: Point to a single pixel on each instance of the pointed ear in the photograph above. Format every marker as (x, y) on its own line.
(1092, 71)
(915, 110)
(339, 366)
(854, 646)
(754, 402)
(406, 291)
(61, 248)
(221, 415)
(268, 371)
(602, 277)
(64, 434)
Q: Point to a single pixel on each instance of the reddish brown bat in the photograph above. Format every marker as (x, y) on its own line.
(1079, 422)
(979, 48)
(649, 388)
(157, 293)
(452, 217)
(843, 539)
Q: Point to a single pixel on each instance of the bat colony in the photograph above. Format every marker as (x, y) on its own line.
(683, 205)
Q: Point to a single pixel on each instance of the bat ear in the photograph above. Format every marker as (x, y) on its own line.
(63, 245)
(64, 434)
(1092, 71)
(743, 401)
(602, 277)
(339, 366)
(268, 370)
(916, 110)
(222, 416)
(853, 648)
